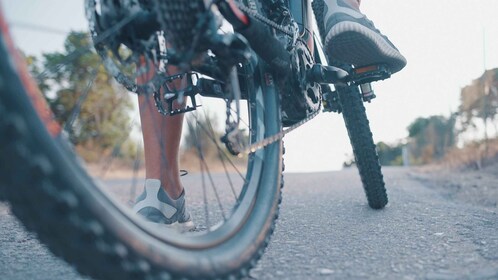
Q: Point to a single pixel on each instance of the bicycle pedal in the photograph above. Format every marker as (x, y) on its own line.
(323, 74)
(371, 73)
(170, 99)
(166, 98)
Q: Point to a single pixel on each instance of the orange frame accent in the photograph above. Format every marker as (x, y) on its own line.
(34, 93)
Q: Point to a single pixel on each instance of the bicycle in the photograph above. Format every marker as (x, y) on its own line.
(272, 42)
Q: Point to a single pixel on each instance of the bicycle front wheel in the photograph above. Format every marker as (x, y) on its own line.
(361, 138)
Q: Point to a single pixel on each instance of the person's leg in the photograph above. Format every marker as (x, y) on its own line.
(163, 199)
(161, 137)
(351, 38)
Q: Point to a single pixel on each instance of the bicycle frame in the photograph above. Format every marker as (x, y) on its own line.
(303, 15)
(272, 50)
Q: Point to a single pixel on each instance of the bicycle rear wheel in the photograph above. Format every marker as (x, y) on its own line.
(51, 192)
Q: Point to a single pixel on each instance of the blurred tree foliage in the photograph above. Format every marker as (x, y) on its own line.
(430, 138)
(94, 109)
(390, 155)
(479, 101)
(202, 133)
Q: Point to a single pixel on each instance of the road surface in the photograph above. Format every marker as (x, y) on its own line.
(326, 231)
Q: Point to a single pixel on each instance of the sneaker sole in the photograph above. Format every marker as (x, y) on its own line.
(180, 227)
(355, 44)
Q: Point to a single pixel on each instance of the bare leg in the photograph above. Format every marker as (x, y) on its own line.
(161, 137)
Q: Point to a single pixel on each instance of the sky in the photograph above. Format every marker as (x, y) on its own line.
(447, 43)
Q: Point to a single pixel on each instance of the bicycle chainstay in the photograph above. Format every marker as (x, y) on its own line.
(279, 136)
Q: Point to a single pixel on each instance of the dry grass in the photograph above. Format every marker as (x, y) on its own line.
(468, 174)
(121, 169)
(473, 155)
(190, 162)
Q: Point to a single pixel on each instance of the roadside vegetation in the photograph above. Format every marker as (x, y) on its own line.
(97, 115)
(86, 101)
(465, 138)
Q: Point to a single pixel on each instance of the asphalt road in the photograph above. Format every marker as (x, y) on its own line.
(327, 231)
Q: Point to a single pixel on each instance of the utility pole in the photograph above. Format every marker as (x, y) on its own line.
(485, 104)
(484, 48)
(488, 84)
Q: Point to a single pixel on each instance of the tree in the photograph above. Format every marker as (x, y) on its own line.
(430, 138)
(84, 98)
(36, 72)
(390, 155)
(202, 133)
(480, 101)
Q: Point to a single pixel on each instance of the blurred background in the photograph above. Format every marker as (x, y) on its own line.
(441, 108)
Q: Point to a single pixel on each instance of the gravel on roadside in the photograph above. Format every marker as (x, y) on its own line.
(477, 187)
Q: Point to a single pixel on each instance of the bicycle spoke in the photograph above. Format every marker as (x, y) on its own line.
(232, 111)
(136, 168)
(212, 138)
(198, 147)
(204, 192)
(115, 151)
(220, 156)
(206, 167)
(68, 126)
(215, 190)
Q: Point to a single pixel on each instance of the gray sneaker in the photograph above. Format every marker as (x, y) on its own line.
(156, 206)
(351, 38)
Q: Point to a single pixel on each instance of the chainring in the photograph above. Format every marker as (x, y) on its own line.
(300, 97)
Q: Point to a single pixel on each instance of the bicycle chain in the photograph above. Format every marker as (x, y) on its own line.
(276, 137)
(263, 19)
(279, 136)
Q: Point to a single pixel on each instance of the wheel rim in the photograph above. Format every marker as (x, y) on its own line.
(255, 165)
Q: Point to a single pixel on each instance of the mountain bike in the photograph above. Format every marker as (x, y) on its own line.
(261, 61)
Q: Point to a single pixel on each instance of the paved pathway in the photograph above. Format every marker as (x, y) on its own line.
(326, 231)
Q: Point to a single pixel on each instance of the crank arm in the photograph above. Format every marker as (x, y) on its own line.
(327, 75)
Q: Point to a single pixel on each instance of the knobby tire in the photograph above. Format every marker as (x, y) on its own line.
(364, 148)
